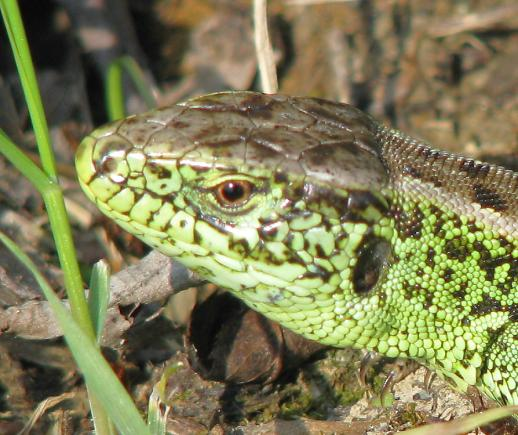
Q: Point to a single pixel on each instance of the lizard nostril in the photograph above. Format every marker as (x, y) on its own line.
(108, 165)
(114, 166)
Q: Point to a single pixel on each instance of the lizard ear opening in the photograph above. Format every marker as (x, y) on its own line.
(373, 257)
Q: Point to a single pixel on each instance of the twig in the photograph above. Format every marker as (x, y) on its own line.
(153, 278)
(263, 47)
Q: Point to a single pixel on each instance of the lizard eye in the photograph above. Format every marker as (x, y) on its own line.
(232, 193)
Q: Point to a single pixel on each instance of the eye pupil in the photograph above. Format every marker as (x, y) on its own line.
(232, 191)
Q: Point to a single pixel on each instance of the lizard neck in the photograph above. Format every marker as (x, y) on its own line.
(487, 194)
(451, 286)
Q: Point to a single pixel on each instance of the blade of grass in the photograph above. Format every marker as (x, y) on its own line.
(157, 414)
(106, 394)
(48, 188)
(98, 374)
(114, 89)
(25, 165)
(98, 300)
(158, 409)
(47, 184)
(53, 199)
(99, 296)
(103, 425)
(22, 56)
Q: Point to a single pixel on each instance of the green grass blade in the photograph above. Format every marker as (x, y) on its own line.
(108, 398)
(98, 300)
(156, 416)
(103, 425)
(158, 409)
(114, 88)
(99, 296)
(62, 234)
(26, 166)
(49, 188)
(114, 93)
(18, 39)
(53, 198)
(98, 375)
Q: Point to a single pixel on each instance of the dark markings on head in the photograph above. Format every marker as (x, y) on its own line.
(258, 106)
(240, 248)
(296, 213)
(320, 251)
(488, 198)
(268, 229)
(318, 197)
(197, 236)
(294, 194)
(159, 170)
(222, 148)
(131, 120)
(178, 125)
(373, 258)
(361, 199)
(352, 207)
(318, 272)
(322, 154)
(326, 115)
(280, 177)
(216, 223)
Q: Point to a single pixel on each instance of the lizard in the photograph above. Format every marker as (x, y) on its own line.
(313, 213)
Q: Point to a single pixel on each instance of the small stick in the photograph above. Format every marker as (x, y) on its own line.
(263, 47)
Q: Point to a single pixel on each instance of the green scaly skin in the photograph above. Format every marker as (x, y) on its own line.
(342, 230)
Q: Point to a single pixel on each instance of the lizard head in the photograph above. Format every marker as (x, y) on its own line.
(279, 200)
